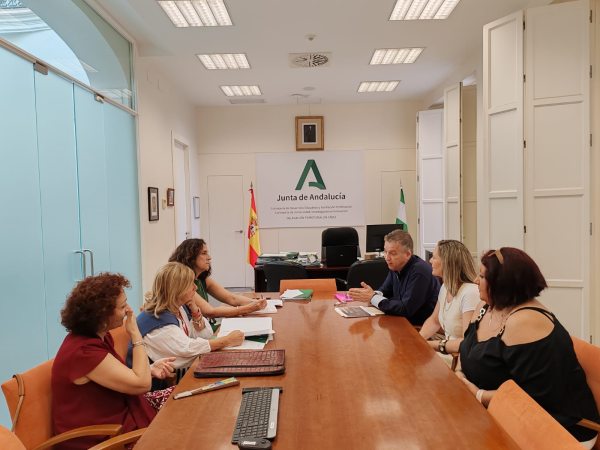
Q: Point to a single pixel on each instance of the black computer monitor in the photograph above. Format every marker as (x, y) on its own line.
(376, 233)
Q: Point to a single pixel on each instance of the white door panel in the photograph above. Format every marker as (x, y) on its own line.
(181, 184)
(226, 229)
(430, 179)
(452, 162)
(500, 188)
(558, 155)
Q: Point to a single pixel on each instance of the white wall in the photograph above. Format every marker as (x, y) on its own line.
(229, 137)
(163, 115)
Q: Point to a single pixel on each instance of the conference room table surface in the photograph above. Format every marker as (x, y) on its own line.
(350, 383)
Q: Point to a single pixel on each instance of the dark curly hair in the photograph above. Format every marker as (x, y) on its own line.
(187, 252)
(512, 278)
(91, 302)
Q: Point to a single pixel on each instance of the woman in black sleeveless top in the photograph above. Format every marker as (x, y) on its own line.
(515, 337)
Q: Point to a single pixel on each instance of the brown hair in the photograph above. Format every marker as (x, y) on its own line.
(401, 237)
(187, 252)
(513, 278)
(91, 302)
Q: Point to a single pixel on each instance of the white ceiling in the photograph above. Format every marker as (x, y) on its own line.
(268, 30)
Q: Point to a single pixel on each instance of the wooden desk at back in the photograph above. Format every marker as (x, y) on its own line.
(260, 281)
(369, 383)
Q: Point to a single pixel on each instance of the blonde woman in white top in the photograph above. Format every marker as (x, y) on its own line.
(171, 322)
(458, 297)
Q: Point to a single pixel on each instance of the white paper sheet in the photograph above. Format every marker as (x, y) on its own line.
(250, 326)
(291, 293)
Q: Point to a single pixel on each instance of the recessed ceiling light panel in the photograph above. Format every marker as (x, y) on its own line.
(396, 55)
(377, 86)
(422, 9)
(224, 61)
(240, 91)
(196, 13)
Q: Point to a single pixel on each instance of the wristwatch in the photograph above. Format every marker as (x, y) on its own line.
(442, 346)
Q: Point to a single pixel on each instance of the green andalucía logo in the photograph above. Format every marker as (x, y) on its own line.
(311, 165)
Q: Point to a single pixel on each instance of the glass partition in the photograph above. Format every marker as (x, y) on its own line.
(72, 37)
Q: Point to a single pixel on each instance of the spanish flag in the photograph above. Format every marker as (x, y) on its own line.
(253, 238)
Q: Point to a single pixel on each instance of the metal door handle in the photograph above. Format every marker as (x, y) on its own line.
(238, 231)
(84, 262)
(85, 250)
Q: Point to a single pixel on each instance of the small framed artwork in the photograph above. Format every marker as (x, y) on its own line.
(170, 197)
(309, 133)
(196, 207)
(152, 204)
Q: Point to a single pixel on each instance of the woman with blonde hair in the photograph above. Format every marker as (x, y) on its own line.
(172, 324)
(459, 295)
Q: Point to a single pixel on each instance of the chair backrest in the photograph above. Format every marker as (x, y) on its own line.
(34, 425)
(320, 286)
(588, 356)
(9, 441)
(372, 272)
(282, 270)
(338, 236)
(121, 339)
(527, 423)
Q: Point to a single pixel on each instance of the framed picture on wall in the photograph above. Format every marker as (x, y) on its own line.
(309, 133)
(152, 204)
(170, 197)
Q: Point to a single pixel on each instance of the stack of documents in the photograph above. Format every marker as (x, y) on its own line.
(259, 329)
(358, 311)
(296, 294)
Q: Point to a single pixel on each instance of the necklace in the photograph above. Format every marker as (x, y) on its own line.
(502, 322)
(183, 324)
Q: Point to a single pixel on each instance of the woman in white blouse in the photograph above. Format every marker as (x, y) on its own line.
(458, 297)
(172, 324)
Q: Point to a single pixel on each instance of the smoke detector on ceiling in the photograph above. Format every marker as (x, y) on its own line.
(309, 60)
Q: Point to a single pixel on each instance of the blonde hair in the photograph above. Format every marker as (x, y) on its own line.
(170, 282)
(457, 265)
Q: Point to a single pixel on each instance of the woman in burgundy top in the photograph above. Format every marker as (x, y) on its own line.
(90, 382)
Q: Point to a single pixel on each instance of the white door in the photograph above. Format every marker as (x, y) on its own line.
(181, 184)
(500, 162)
(557, 189)
(468, 147)
(452, 162)
(227, 236)
(430, 179)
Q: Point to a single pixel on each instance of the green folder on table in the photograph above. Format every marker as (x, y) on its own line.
(297, 294)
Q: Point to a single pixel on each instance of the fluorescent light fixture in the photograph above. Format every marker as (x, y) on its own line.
(396, 55)
(224, 61)
(240, 91)
(423, 9)
(377, 86)
(196, 13)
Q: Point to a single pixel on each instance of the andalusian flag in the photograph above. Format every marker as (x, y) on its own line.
(253, 238)
(401, 215)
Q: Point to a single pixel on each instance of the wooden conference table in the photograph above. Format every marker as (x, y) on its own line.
(365, 383)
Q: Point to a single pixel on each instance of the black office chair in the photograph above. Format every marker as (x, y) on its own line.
(372, 272)
(338, 236)
(282, 270)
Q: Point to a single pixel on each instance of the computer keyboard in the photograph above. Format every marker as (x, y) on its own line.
(257, 417)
